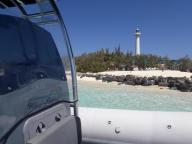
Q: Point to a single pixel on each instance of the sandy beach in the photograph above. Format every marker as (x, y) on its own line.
(115, 84)
(89, 80)
(165, 73)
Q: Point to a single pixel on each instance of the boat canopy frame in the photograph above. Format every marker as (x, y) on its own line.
(58, 19)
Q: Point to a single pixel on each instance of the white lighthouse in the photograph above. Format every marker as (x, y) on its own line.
(137, 42)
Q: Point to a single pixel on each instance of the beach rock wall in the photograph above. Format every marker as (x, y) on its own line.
(176, 83)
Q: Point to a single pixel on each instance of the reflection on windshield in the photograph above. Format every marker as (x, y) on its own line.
(31, 71)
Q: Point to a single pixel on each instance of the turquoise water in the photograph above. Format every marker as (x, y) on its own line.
(111, 95)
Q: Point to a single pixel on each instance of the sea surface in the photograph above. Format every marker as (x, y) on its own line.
(112, 95)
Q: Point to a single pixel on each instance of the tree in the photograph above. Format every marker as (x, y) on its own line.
(185, 63)
(104, 60)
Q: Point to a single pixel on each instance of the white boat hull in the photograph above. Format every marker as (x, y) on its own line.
(135, 127)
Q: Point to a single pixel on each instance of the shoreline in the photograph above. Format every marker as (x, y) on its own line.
(94, 81)
(180, 81)
(145, 73)
(152, 88)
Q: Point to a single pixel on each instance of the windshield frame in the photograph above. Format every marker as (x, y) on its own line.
(60, 22)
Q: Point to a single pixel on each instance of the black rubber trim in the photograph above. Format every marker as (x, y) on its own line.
(79, 133)
(8, 3)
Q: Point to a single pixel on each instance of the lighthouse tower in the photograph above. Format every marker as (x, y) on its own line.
(137, 42)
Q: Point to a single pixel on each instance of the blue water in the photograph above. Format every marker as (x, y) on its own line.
(107, 95)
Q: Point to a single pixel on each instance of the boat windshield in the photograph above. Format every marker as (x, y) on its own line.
(34, 68)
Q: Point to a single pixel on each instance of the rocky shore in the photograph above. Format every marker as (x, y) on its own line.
(183, 84)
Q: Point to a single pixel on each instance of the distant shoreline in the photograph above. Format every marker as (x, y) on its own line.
(152, 88)
(145, 73)
(174, 80)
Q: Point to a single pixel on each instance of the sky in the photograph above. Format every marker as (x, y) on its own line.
(166, 25)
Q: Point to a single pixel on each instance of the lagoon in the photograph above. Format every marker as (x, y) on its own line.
(99, 94)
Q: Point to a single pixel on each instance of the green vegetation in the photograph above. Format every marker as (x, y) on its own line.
(104, 60)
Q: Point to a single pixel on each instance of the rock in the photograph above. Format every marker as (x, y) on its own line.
(108, 78)
(172, 82)
(164, 84)
(138, 80)
(83, 75)
(129, 77)
(151, 82)
(120, 78)
(184, 85)
(162, 79)
(145, 82)
(129, 82)
(156, 81)
(98, 77)
(187, 81)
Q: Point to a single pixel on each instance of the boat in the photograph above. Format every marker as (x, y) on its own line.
(38, 90)
(36, 103)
